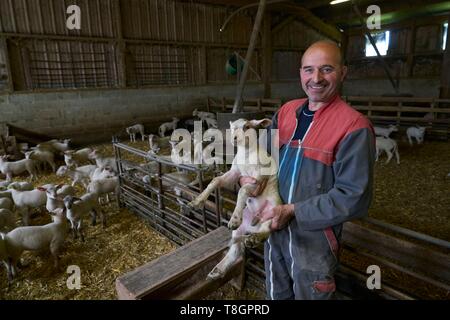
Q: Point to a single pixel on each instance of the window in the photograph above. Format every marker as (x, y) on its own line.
(381, 40)
(444, 36)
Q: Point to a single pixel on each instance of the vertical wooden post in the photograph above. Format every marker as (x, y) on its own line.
(267, 55)
(120, 46)
(26, 67)
(203, 66)
(411, 47)
(4, 47)
(445, 71)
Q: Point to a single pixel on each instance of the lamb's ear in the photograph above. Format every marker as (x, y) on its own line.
(263, 123)
(41, 189)
(59, 186)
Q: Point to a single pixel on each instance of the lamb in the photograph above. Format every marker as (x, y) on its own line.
(168, 126)
(385, 132)
(76, 158)
(42, 156)
(417, 133)
(104, 187)
(4, 254)
(17, 167)
(78, 175)
(56, 146)
(36, 238)
(103, 162)
(203, 114)
(247, 208)
(25, 200)
(137, 128)
(21, 186)
(389, 146)
(7, 220)
(55, 196)
(77, 208)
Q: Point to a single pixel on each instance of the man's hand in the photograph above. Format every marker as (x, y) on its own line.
(260, 185)
(280, 215)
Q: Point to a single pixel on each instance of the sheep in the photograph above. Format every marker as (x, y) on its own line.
(137, 128)
(55, 195)
(56, 146)
(21, 186)
(385, 132)
(153, 144)
(17, 167)
(168, 126)
(25, 200)
(102, 161)
(389, 146)
(415, 132)
(78, 175)
(7, 220)
(4, 184)
(36, 238)
(247, 208)
(105, 186)
(77, 208)
(72, 157)
(203, 114)
(42, 156)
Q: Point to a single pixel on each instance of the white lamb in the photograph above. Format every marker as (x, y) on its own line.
(55, 196)
(77, 208)
(385, 132)
(389, 146)
(246, 207)
(78, 175)
(77, 157)
(42, 156)
(137, 128)
(102, 161)
(168, 126)
(17, 167)
(203, 114)
(26, 200)
(36, 238)
(417, 133)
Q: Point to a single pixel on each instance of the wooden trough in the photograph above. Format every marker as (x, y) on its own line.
(181, 274)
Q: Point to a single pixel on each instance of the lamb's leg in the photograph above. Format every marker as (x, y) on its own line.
(397, 156)
(236, 217)
(410, 140)
(54, 250)
(236, 250)
(228, 178)
(389, 154)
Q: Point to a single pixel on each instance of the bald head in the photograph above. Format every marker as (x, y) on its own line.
(322, 73)
(330, 48)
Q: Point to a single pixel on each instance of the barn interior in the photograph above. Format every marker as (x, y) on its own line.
(88, 72)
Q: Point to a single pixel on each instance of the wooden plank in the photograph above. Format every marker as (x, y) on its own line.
(160, 278)
(407, 254)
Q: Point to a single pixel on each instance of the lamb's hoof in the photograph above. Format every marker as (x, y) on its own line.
(233, 224)
(215, 274)
(252, 241)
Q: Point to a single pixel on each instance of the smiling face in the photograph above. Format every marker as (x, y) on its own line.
(322, 72)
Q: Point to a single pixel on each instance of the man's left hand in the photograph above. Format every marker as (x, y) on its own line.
(280, 215)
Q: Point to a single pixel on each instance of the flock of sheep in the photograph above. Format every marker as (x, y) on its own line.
(59, 201)
(86, 167)
(389, 146)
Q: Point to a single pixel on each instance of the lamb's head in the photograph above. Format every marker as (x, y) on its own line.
(195, 113)
(128, 130)
(93, 155)
(239, 129)
(69, 201)
(175, 120)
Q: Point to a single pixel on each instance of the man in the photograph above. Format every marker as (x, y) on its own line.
(327, 152)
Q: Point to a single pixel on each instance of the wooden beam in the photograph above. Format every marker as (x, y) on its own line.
(313, 21)
(182, 273)
(120, 46)
(445, 71)
(267, 55)
(4, 47)
(282, 24)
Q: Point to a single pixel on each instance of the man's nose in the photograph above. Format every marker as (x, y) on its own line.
(317, 76)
